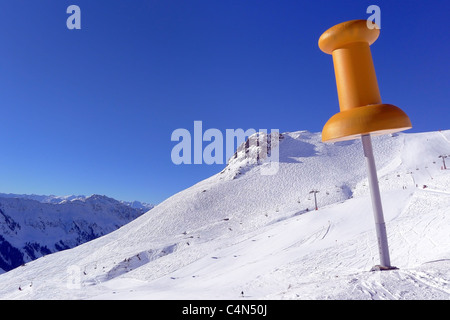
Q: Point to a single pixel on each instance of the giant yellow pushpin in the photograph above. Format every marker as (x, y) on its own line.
(362, 113)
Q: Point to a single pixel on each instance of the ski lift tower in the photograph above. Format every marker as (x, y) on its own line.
(443, 156)
(362, 113)
(315, 198)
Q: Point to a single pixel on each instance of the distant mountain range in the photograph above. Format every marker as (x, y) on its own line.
(32, 226)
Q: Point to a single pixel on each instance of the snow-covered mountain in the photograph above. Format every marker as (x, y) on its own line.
(32, 226)
(240, 234)
(63, 199)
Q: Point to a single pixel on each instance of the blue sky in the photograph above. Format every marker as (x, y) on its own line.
(92, 110)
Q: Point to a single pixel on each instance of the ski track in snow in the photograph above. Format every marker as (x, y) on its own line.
(240, 231)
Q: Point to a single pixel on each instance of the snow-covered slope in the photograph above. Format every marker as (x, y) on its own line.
(32, 226)
(240, 231)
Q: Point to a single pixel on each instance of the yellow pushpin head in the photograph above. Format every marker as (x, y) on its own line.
(362, 111)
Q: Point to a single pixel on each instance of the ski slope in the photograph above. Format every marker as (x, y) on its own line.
(243, 235)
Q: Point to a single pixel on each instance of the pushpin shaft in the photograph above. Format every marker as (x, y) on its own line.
(380, 226)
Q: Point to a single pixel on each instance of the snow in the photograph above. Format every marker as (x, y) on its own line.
(241, 231)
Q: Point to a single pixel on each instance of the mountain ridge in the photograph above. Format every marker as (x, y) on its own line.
(59, 199)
